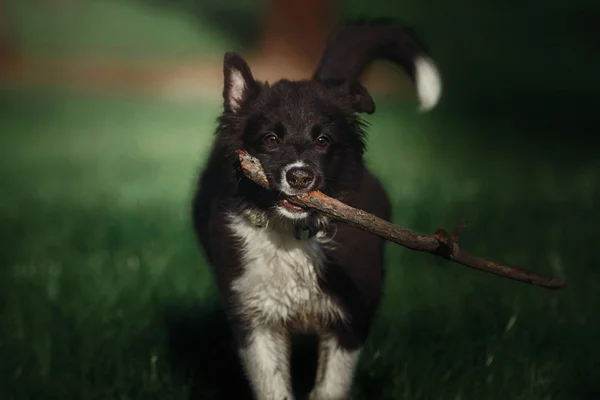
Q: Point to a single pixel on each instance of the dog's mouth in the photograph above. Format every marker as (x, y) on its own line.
(291, 207)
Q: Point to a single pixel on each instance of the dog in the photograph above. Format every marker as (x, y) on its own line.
(281, 269)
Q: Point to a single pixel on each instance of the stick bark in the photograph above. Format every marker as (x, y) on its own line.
(440, 243)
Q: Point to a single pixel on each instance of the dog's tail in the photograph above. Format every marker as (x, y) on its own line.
(354, 46)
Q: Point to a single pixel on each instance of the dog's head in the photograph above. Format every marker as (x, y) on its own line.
(306, 134)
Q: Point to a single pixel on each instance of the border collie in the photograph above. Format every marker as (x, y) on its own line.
(281, 269)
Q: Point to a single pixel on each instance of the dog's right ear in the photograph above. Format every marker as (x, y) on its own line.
(239, 84)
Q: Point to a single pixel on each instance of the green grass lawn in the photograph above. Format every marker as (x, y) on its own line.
(105, 295)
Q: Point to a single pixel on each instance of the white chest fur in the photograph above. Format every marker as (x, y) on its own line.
(279, 283)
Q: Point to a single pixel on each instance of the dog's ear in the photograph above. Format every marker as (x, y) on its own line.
(361, 99)
(239, 85)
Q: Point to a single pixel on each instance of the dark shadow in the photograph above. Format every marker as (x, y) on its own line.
(547, 112)
(202, 350)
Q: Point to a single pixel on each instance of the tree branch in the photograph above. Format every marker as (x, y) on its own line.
(440, 243)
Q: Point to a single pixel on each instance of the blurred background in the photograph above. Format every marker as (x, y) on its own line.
(107, 111)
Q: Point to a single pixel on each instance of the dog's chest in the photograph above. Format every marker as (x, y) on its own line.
(279, 284)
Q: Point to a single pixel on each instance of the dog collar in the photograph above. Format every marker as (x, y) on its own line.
(303, 233)
(260, 220)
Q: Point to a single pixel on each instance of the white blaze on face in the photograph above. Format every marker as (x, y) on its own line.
(285, 186)
(287, 189)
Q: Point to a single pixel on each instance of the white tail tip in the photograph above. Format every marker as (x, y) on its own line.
(428, 83)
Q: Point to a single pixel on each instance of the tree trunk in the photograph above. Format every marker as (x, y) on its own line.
(3, 44)
(7, 52)
(295, 30)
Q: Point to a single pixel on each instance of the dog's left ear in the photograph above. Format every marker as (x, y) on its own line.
(239, 85)
(361, 99)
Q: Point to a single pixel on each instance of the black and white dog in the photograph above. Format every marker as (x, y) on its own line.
(282, 269)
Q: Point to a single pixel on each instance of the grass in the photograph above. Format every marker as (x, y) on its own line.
(105, 295)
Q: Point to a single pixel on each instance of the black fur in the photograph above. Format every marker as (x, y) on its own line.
(361, 42)
(300, 114)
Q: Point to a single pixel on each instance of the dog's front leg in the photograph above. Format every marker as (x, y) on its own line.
(335, 371)
(265, 357)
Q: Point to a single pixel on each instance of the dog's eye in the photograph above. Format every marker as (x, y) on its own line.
(271, 138)
(322, 141)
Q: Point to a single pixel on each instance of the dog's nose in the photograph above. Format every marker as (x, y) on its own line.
(300, 177)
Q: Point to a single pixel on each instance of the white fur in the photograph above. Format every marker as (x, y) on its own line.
(285, 213)
(428, 83)
(280, 279)
(285, 186)
(287, 189)
(266, 363)
(336, 370)
(278, 288)
(237, 88)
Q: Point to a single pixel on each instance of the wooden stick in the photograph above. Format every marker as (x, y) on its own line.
(440, 243)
